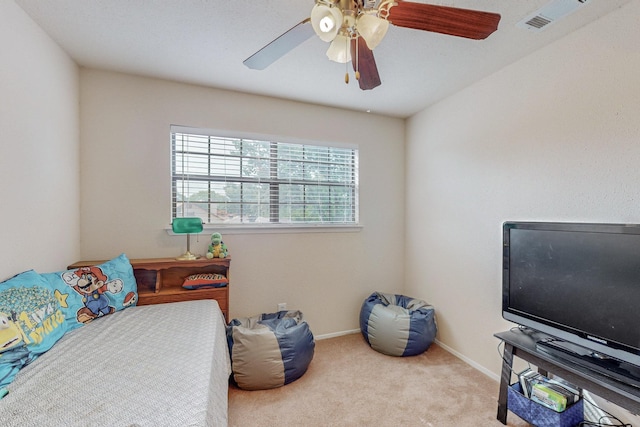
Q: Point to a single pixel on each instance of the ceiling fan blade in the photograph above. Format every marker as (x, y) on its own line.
(366, 64)
(280, 46)
(453, 21)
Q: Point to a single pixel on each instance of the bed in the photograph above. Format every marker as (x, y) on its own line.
(157, 365)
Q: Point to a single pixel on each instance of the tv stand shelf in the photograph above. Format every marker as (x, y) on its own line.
(523, 345)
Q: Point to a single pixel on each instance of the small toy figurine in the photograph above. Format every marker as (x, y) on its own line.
(217, 248)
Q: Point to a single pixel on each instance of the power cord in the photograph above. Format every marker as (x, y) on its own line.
(601, 420)
(522, 329)
(600, 423)
(501, 354)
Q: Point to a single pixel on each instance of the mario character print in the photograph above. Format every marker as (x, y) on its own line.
(92, 284)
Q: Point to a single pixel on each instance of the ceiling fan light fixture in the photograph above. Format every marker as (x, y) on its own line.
(326, 21)
(372, 29)
(355, 27)
(340, 51)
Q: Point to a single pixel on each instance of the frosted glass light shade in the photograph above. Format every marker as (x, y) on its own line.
(326, 21)
(372, 29)
(340, 49)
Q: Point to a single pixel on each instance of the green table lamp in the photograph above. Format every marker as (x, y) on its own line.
(187, 226)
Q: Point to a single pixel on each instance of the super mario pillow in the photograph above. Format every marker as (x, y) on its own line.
(95, 291)
(31, 322)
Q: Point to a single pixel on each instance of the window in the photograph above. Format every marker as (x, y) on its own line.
(238, 181)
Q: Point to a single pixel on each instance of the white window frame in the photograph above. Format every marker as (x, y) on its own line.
(180, 176)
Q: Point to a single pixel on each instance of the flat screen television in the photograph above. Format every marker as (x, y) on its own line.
(578, 283)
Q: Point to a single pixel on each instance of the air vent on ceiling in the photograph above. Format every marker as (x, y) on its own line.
(550, 13)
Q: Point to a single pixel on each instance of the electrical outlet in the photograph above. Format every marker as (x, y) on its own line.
(282, 306)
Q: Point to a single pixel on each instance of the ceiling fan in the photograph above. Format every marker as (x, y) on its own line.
(355, 27)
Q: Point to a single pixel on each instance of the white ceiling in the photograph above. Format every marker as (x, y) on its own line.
(205, 41)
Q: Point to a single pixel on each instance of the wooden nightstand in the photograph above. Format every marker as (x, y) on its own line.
(160, 280)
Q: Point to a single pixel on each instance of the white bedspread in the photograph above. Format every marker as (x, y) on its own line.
(158, 365)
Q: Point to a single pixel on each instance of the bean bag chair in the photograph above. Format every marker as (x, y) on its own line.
(397, 325)
(269, 350)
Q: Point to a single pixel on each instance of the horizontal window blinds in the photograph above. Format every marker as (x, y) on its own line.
(247, 181)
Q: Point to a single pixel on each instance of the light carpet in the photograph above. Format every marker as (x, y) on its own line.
(350, 384)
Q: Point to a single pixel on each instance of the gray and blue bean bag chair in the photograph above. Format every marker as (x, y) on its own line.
(269, 350)
(397, 325)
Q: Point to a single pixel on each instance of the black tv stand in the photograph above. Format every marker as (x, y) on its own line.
(608, 366)
(522, 344)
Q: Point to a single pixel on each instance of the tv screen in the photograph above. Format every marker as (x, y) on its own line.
(577, 282)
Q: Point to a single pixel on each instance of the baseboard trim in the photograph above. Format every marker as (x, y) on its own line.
(480, 368)
(337, 334)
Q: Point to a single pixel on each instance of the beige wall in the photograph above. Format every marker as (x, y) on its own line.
(555, 136)
(39, 123)
(126, 194)
(551, 137)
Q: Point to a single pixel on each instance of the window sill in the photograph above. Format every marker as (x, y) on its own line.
(278, 229)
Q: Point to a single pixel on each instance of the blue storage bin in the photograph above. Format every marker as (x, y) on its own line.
(541, 416)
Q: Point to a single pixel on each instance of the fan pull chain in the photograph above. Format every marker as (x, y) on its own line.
(346, 68)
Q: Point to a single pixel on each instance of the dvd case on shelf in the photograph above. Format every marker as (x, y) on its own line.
(553, 393)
